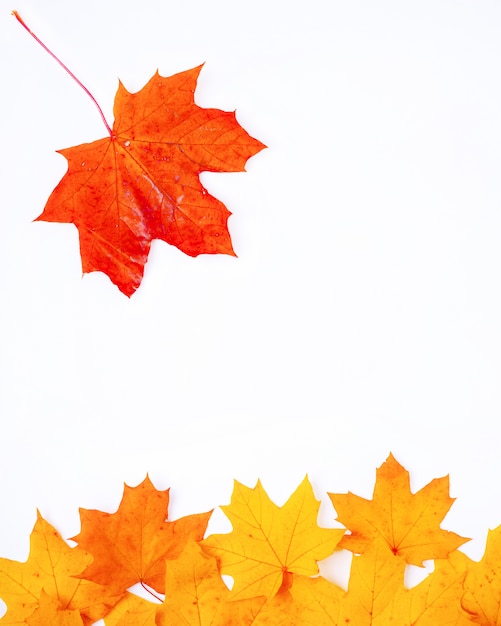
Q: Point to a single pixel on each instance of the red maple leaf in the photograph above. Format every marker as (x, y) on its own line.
(142, 182)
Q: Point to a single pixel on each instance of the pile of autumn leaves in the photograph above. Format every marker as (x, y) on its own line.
(271, 554)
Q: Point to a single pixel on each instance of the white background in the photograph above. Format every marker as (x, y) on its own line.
(362, 314)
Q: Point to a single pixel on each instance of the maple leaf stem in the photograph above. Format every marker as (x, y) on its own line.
(24, 25)
(150, 591)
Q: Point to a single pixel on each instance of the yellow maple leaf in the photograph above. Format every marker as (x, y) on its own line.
(436, 599)
(51, 566)
(268, 542)
(308, 602)
(482, 597)
(376, 575)
(48, 612)
(132, 610)
(196, 595)
(318, 598)
(377, 596)
(408, 523)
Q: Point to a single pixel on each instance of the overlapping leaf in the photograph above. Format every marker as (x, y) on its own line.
(482, 598)
(195, 594)
(48, 612)
(132, 610)
(272, 555)
(437, 599)
(375, 577)
(268, 542)
(408, 523)
(131, 545)
(307, 602)
(47, 582)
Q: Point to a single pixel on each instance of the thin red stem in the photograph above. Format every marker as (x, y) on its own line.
(150, 591)
(23, 23)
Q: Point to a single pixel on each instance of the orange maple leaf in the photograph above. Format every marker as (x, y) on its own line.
(269, 542)
(130, 546)
(142, 182)
(52, 567)
(409, 523)
(482, 597)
